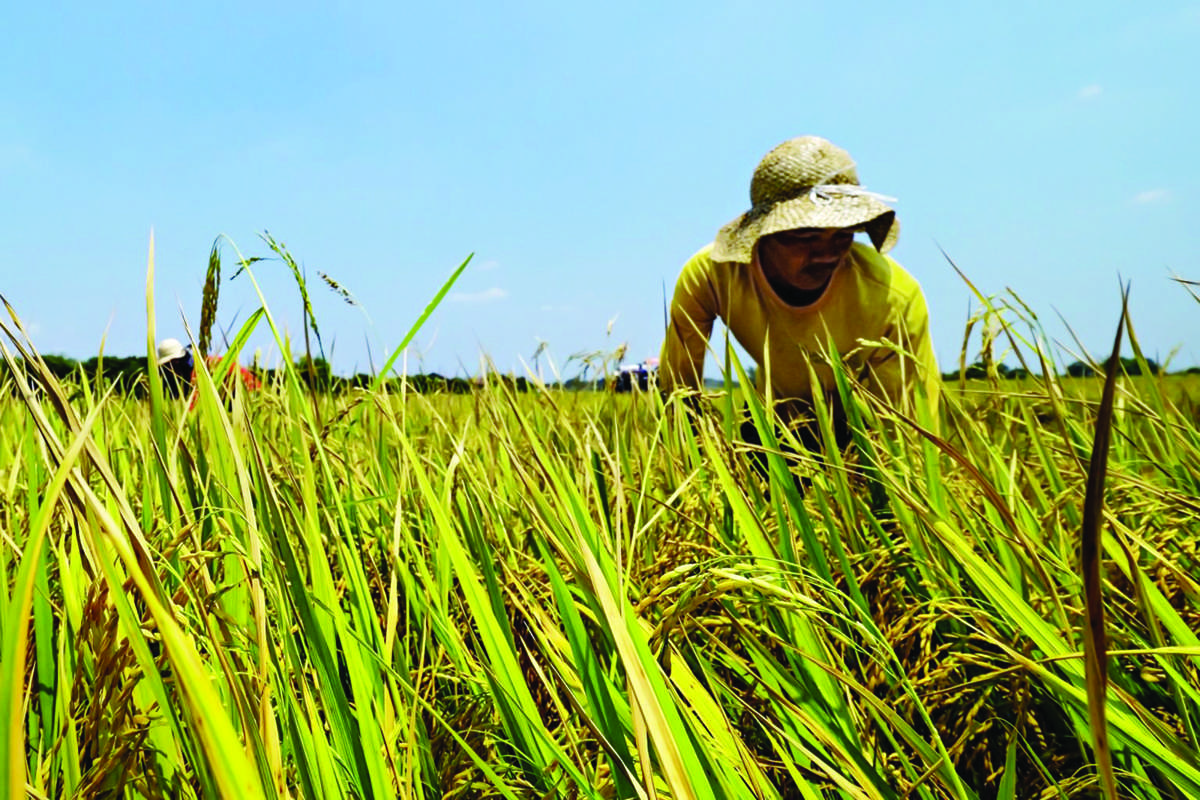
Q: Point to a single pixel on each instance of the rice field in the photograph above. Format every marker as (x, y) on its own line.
(587, 595)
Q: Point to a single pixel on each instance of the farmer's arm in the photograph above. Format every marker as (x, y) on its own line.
(895, 375)
(693, 309)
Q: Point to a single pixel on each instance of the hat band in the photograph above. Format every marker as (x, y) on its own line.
(823, 193)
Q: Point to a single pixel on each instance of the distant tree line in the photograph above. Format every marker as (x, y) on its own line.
(128, 373)
(978, 371)
(1076, 369)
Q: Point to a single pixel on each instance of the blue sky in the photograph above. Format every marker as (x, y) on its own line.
(582, 153)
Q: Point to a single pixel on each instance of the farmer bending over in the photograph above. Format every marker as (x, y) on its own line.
(178, 370)
(175, 366)
(788, 277)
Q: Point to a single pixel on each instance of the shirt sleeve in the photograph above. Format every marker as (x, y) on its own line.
(694, 308)
(894, 374)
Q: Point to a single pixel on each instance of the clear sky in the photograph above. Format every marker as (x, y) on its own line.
(582, 153)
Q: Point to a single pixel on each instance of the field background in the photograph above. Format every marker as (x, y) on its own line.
(581, 594)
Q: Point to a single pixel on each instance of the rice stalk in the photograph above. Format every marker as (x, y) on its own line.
(1095, 638)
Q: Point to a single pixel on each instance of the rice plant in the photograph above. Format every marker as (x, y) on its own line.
(385, 593)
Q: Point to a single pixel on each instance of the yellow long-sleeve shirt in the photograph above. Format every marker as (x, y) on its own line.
(870, 298)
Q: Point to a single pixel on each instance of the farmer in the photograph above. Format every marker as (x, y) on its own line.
(178, 370)
(790, 282)
(175, 366)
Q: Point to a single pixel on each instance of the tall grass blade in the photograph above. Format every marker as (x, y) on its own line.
(1095, 638)
(16, 624)
(416, 326)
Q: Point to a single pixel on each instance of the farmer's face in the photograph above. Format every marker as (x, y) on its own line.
(803, 259)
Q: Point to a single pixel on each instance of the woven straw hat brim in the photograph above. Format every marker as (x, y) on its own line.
(735, 241)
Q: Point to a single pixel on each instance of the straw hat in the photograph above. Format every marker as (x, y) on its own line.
(806, 182)
(169, 350)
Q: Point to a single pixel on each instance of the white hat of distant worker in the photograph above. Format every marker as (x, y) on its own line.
(169, 350)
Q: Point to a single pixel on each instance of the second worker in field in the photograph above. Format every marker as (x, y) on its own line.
(790, 282)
